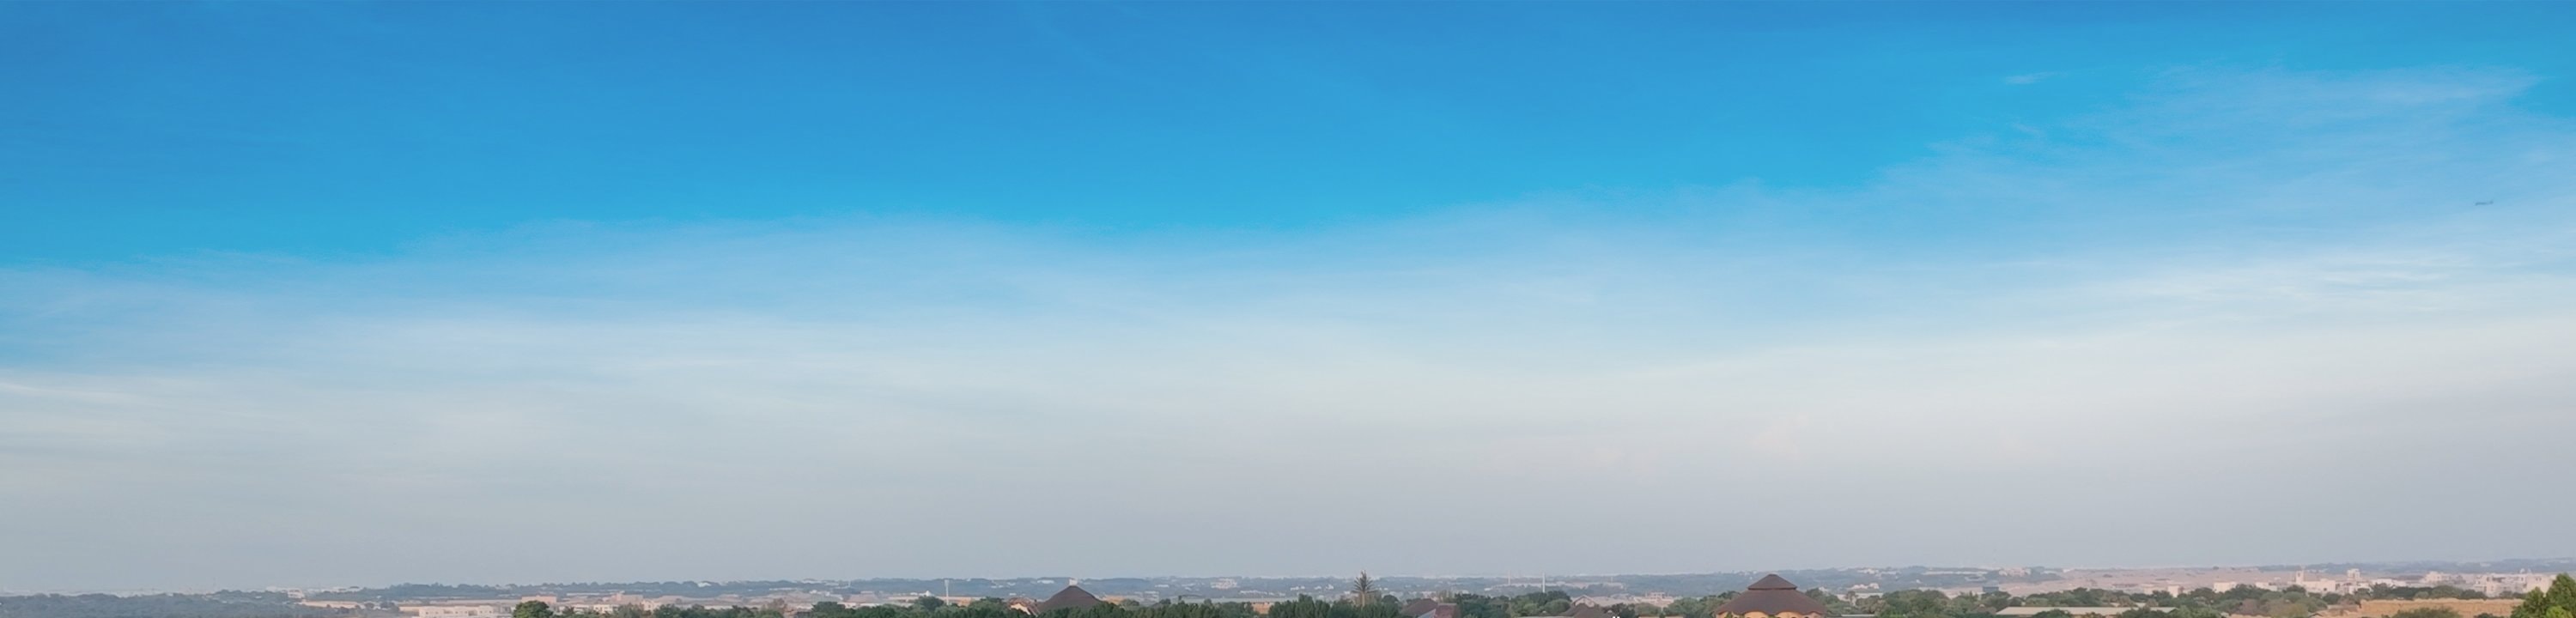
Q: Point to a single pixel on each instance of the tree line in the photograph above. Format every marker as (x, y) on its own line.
(933, 607)
(2556, 601)
(2559, 601)
(217, 605)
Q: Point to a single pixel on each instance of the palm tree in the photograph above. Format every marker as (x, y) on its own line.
(1365, 589)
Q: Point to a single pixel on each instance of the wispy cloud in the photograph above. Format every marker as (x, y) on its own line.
(2243, 277)
(2026, 79)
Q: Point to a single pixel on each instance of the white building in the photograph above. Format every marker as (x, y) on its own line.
(2079, 612)
(456, 611)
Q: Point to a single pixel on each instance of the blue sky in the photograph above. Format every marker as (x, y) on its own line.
(334, 129)
(936, 284)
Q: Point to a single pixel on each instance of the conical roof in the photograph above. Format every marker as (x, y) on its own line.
(1772, 582)
(1419, 607)
(1771, 596)
(1071, 597)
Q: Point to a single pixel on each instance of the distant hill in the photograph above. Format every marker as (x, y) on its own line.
(217, 605)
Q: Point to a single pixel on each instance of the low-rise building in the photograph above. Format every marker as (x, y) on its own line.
(2078, 612)
(1773, 597)
(483, 609)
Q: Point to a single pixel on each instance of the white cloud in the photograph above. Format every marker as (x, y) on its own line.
(2177, 299)
(2026, 79)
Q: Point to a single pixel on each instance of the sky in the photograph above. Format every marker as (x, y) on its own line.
(317, 294)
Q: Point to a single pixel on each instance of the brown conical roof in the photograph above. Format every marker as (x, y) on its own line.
(1771, 596)
(1772, 582)
(1071, 597)
(1419, 607)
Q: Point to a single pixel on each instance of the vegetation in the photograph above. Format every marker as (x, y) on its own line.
(1547, 603)
(2203, 603)
(2559, 601)
(2427, 612)
(1368, 600)
(218, 605)
(994, 608)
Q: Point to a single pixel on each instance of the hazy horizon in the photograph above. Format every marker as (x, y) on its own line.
(1385, 576)
(302, 294)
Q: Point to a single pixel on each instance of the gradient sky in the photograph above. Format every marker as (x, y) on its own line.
(344, 293)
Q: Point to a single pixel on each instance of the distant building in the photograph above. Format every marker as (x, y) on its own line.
(477, 610)
(1773, 597)
(1071, 597)
(2380, 608)
(1428, 608)
(2078, 612)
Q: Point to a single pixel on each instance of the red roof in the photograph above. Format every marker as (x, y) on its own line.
(1419, 607)
(1071, 597)
(1772, 595)
(1772, 582)
(1430, 608)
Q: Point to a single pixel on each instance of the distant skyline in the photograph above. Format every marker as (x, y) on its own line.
(1834, 577)
(316, 294)
(2512, 571)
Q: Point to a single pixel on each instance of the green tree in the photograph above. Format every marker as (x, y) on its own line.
(1545, 603)
(2562, 593)
(1103, 609)
(831, 609)
(1303, 607)
(1202, 609)
(2535, 604)
(1681, 607)
(1915, 604)
(2427, 612)
(2287, 608)
(2149, 612)
(2196, 612)
(532, 609)
(1379, 606)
